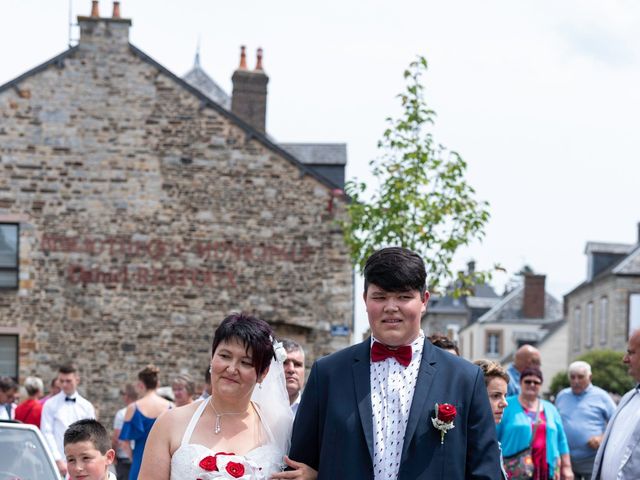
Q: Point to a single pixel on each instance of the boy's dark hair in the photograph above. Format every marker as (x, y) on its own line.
(395, 269)
(7, 384)
(88, 430)
(149, 376)
(253, 333)
(67, 368)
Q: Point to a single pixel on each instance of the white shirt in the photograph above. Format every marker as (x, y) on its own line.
(296, 404)
(392, 388)
(58, 414)
(617, 447)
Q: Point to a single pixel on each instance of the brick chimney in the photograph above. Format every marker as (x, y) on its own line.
(102, 35)
(249, 97)
(533, 302)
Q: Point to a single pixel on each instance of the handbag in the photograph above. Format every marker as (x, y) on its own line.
(520, 465)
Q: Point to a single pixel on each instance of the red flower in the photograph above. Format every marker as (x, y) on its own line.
(209, 464)
(236, 470)
(446, 412)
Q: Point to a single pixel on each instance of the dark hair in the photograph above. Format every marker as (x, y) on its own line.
(444, 342)
(395, 269)
(88, 430)
(8, 383)
(253, 333)
(149, 376)
(531, 372)
(492, 370)
(291, 346)
(67, 368)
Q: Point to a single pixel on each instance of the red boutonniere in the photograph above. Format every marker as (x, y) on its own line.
(236, 470)
(445, 413)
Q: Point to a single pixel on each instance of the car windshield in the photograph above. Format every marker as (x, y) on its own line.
(23, 456)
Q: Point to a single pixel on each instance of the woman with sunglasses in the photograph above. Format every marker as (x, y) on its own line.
(531, 422)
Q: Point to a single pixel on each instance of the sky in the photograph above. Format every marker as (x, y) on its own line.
(540, 98)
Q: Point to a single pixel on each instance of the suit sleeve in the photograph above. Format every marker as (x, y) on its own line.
(46, 426)
(305, 438)
(483, 454)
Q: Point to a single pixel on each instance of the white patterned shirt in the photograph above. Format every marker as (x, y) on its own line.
(392, 388)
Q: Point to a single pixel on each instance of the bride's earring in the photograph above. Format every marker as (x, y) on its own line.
(209, 368)
(260, 385)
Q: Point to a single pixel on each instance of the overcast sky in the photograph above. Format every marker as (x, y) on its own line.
(541, 98)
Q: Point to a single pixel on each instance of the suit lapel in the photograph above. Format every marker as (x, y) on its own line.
(426, 374)
(598, 461)
(362, 383)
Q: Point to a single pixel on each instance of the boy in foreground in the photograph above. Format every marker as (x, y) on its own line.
(88, 451)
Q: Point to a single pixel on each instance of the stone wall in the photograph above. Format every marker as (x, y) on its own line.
(146, 216)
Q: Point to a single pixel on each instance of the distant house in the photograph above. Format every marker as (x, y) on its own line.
(448, 314)
(605, 308)
(526, 315)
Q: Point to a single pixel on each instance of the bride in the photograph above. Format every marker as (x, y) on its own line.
(240, 431)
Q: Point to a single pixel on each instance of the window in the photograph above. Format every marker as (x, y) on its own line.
(9, 255)
(576, 328)
(604, 307)
(634, 312)
(493, 343)
(9, 355)
(589, 332)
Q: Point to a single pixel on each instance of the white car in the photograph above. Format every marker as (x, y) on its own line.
(24, 454)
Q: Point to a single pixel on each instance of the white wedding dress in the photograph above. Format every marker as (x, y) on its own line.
(258, 464)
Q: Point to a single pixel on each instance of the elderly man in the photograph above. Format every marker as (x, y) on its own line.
(585, 410)
(526, 356)
(619, 454)
(294, 372)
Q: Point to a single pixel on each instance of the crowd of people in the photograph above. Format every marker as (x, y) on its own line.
(399, 405)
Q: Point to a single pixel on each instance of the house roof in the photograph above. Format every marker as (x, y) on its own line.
(509, 309)
(58, 61)
(605, 247)
(198, 78)
(318, 153)
(630, 265)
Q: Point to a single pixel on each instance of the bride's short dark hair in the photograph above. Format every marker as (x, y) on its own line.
(253, 333)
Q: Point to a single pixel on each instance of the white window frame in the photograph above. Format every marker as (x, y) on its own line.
(577, 328)
(589, 330)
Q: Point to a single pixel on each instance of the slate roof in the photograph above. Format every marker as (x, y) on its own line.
(58, 61)
(198, 78)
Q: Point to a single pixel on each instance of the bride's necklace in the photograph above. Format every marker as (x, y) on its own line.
(218, 428)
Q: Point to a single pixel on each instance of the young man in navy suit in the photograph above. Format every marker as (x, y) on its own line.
(367, 411)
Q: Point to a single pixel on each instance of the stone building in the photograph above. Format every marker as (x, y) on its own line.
(136, 213)
(605, 308)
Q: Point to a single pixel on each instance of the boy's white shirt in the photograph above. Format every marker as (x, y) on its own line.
(111, 476)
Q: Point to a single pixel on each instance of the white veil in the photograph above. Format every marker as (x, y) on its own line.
(272, 398)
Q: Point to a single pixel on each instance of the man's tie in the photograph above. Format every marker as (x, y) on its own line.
(402, 354)
(69, 399)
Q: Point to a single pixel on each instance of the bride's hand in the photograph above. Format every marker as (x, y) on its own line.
(300, 471)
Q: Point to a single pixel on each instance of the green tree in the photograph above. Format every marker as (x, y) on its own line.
(608, 372)
(423, 201)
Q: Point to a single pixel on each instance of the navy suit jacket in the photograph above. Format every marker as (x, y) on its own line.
(333, 429)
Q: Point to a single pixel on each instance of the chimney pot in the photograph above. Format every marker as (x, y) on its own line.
(259, 59)
(116, 10)
(95, 11)
(243, 58)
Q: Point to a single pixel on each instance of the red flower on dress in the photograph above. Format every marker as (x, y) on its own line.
(234, 469)
(446, 412)
(209, 463)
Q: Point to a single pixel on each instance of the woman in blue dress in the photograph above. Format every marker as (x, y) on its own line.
(141, 415)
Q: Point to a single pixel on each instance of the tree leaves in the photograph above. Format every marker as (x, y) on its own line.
(423, 201)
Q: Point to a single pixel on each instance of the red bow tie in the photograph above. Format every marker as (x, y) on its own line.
(402, 354)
